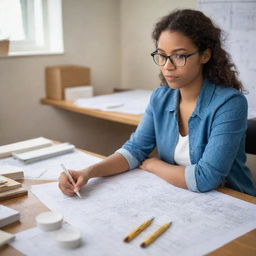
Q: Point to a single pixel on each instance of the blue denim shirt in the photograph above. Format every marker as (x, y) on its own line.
(217, 130)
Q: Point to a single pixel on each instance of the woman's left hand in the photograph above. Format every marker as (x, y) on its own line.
(174, 174)
(149, 164)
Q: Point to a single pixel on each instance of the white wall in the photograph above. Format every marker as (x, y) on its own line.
(137, 22)
(91, 38)
(101, 34)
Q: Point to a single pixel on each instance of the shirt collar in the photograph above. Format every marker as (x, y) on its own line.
(203, 101)
(174, 101)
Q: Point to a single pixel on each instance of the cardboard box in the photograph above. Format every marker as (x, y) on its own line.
(4, 47)
(57, 78)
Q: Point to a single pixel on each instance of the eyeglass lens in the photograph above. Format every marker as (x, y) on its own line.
(177, 59)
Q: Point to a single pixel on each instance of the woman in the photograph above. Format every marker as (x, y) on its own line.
(197, 119)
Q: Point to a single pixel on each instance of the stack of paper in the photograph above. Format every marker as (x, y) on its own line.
(12, 172)
(24, 146)
(44, 153)
(8, 215)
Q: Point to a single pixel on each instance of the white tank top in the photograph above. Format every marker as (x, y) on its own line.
(181, 153)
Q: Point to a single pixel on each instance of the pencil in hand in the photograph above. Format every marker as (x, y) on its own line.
(138, 230)
(70, 179)
(155, 235)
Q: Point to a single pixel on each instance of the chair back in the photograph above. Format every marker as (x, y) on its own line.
(250, 141)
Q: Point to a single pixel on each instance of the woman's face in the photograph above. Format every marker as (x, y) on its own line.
(172, 42)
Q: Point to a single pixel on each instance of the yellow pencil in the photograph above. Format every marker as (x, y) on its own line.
(155, 235)
(138, 230)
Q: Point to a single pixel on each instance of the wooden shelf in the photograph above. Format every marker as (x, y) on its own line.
(111, 116)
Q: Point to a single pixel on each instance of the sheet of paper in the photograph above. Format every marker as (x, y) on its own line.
(50, 169)
(112, 207)
(131, 102)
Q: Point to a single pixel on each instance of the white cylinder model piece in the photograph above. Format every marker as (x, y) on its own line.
(68, 237)
(48, 221)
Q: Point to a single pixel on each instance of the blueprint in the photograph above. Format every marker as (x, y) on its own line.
(112, 207)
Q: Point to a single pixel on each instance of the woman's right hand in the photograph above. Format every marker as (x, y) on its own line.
(113, 164)
(80, 178)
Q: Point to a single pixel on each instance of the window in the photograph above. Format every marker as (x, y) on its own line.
(32, 26)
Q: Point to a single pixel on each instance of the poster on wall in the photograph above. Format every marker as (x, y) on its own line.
(238, 21)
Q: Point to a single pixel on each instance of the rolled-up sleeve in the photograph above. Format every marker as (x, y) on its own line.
(227, 133)
(132, 161)
(190, 178)
(142, 141)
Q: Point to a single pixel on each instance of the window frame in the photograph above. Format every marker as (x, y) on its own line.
(47, 37)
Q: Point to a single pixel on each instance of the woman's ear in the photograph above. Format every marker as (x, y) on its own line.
(206, 55)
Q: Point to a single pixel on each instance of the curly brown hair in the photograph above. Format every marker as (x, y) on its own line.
(205, 35)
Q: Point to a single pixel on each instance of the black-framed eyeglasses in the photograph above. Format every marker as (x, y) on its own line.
(178, 60)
